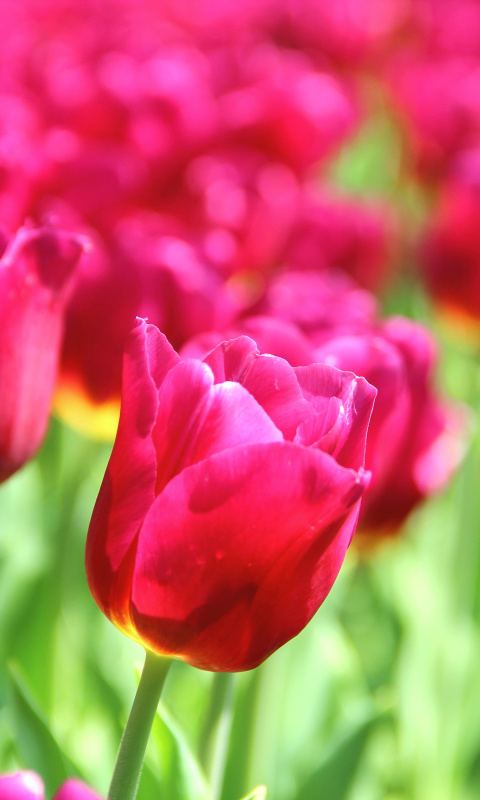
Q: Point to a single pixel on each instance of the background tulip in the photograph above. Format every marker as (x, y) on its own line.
(415, 439)
(36, 272)
(23, 785)
(74, 789)
(230, 499)
(26, 785)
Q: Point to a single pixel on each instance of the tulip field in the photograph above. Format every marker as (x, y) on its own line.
(239, 394)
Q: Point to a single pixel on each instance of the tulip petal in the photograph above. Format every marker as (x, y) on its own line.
(128, 486)
(75, 790)
(215, 534)
(22, 785)
(36, 273)
(269, 379)
(197, 418)
(322, 385)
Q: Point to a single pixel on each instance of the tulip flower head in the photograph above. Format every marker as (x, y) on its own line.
(26, 785)
(36, 272)
(23, 785)
(411, 425)
(229, 501)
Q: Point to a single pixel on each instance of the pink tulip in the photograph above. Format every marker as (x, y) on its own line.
(450, 250)
(25, 785)
(415, 439)
(438, 96)
(36, 272)
(229, 501)
(322, 305)
(74, 789)
(21, 785)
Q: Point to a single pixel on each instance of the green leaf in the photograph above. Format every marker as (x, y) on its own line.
(335, 775)
(37, 748)
(180, 774)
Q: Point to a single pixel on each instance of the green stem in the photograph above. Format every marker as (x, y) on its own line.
(126, 774)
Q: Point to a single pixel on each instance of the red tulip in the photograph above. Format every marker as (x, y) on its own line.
(35, 275)
(229, 501)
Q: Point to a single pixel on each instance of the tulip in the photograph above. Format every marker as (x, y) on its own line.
(26, 785)
(36, 272)
(229, 501)
(322, 304)
(74, 789)
(415, 439)
(438, 97)
(450, 251)
(22, 785)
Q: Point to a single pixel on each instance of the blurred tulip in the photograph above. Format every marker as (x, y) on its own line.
(438, 97)
(21, 785)
(415, 440)
(230, 499)
(36, 272)
(74, 789)
(450, 251)
(25, 785)
(322, 305)
(162, 277)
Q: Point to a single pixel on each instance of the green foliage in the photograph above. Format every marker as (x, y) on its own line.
(37, 747)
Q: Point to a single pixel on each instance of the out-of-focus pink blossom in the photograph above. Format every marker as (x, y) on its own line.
(25, 785)
(350, 33)
(444, 27)
(252, 214)
(36, 271)
(331, 232)
(438, 97)
(157, 275)
(74, 789)
(277, 101)
(450, 250)
(415, 440)
(320, 304)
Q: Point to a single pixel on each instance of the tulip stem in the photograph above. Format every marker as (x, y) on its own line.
(128, 767)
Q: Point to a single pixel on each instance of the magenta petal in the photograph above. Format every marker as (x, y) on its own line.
(270, 380)
(320, 385)
(216, 533)
(196, 419)
(273, 383)
(36, 273)
(280, 338)
(75, 790)
(383, 366)
(128, 486)
(22, 785)
(230, 360)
